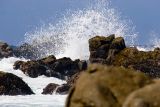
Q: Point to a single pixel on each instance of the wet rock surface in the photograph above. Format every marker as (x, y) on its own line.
(50, 88)
(5, 50)
(13, 85)
(62, 89)
(62, 68)
(30, 68)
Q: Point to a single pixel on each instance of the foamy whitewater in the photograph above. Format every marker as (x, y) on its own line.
(36, 84)
(67, 38)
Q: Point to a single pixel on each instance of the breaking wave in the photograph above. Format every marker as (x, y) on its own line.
(69, 36)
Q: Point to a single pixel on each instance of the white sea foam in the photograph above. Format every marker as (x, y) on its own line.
(33, 101)
(36, 84)
(69, 37)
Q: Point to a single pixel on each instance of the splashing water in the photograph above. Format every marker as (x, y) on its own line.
(155, 40)
(69, 37)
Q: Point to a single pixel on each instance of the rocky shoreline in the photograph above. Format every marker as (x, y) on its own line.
(114, 75)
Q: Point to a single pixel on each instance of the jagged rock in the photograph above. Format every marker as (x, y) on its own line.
(66, 67)
(63, 89)
(112, 51)
(62, 68)
(102, 86)
(103, 49)
(30, 68)
(13, 85)
(48, 60)
(50, 88)
(147, 96)
(5, 50)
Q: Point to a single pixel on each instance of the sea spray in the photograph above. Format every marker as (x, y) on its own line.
(154, 39)
(69, 37)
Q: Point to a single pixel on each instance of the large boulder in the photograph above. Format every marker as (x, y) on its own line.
(103, 49)
(112, 51)
(62, 68)
(5, 50)
(102, 86)
(148, 96)
(13, 85)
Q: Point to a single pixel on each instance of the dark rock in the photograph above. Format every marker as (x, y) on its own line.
(30, 68)
(13, 85)
(17, 65)
(103, 86)
(50, 88)
(48, 60)
(114, 52)
(98, 41)
(63, 89)
(103, 49)
(65, 67)
(51, 67)
(5, 50)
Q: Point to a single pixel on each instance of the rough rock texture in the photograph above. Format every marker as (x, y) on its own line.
(30, 68)
(102, 86)
(147, 62)
(5, 50)
(50, 88)
(67, 67)
(112, 51)
(148, 96)
(103, 49)
(61, 89)
(48, 60)
(13, 85)
(62, 68)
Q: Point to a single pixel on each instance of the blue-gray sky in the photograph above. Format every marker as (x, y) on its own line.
(20, 16)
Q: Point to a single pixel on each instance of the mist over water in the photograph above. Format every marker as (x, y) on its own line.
(69, 36)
